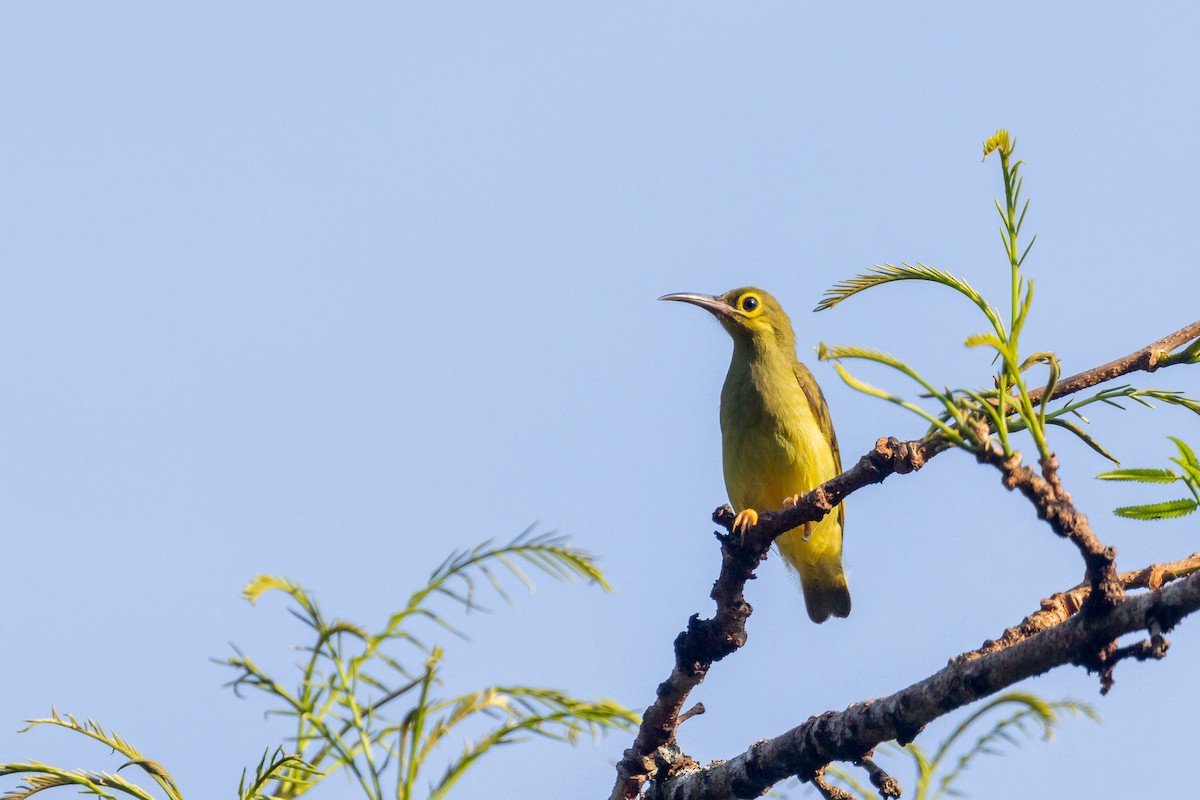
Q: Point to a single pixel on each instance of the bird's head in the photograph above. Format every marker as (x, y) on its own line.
(751, 316)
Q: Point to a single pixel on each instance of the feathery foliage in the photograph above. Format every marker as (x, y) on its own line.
(937, 774)
(269, 768)
(1189, 476)
(38, 776)
(971, 418)
(345, 708)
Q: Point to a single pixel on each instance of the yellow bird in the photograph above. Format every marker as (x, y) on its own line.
(777, 439)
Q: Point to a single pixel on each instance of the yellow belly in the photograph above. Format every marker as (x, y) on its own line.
(765, 467)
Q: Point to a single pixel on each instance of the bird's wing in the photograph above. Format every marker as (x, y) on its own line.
(820, 409)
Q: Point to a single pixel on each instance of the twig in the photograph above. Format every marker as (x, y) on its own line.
(827, 790)
(890, 456)
(888, 786)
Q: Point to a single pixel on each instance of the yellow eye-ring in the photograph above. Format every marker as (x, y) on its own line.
(750, 304)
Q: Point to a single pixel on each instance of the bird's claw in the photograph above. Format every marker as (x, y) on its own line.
(791, 501)
(746, 519)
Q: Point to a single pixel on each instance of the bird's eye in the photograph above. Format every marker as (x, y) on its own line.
(749, 303)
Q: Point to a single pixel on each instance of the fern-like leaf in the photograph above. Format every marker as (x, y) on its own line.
(1083, 435)
(890, 273)
(39, 777)
(1031, 709)
(984, 339)
(338, 707)
(547, 553)
(1139, 475)
(1170, 398)
(89, 728)
(92, 729)
(268, 770)
(1187, 458)
(525, 712)
(156, 771)
(1167, 509)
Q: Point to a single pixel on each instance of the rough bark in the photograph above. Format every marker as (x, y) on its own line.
(846, 735)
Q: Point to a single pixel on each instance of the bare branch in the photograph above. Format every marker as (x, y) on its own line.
(1059, 607)
(846, 735)
(707, 641)
(1147, 359)
(1055, 506)
(890, 456)
(888, 786)
(828, 790)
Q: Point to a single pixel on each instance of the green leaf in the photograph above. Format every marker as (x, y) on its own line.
(1139, 475)
(523, 712)
(1165, 510)
(1028, 247)
(1186, 452)
(866, 388)
(979, 339)
(1000, 140)
(1192, 476)
(272, 768)
(262, 584)
(1025, 304)
(1085, 436)
(1032, 709)
(338, 706)
(39, 777)
(91, 729)
(1043, 357)
(889, 273)
(156, 771)
(1172, 398)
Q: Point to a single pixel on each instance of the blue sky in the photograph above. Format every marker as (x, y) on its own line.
(329, 291)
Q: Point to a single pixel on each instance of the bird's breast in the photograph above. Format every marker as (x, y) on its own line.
(772, 445)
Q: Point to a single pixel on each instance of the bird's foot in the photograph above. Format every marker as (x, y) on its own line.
(791, 501)
(746, 519)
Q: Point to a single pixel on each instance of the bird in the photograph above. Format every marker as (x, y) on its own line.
(777, 440)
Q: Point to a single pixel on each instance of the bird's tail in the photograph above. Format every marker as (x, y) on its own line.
(818, 559)
(825, 590)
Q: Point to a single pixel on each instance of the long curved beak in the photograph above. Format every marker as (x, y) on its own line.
(718, 305)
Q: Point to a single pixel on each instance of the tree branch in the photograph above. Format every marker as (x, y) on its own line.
(1059, 607)
(707, 641)
(1055, 506)
(846, 735)
(1147, 359)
